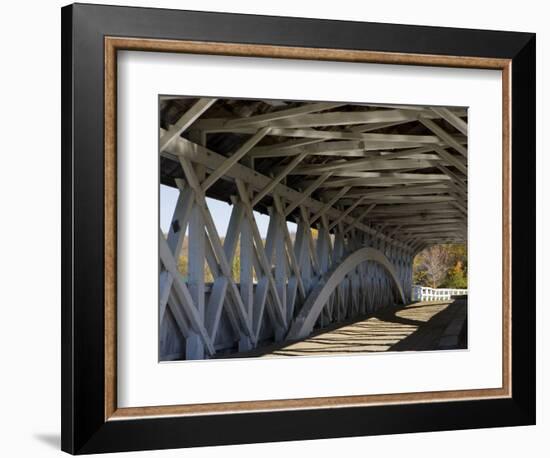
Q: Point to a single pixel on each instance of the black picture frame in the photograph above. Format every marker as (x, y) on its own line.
(84, 427)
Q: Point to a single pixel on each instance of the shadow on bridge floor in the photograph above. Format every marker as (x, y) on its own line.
(417, 327)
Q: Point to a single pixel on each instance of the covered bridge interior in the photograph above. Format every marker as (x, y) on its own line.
(367, 185)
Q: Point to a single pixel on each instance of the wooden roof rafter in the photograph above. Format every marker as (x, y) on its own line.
(404, 167)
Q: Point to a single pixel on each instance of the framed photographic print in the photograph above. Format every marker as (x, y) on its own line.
(282, 228)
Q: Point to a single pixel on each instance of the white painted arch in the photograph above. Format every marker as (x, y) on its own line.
(317, 299)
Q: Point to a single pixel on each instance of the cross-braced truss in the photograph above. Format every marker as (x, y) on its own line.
(367, 185)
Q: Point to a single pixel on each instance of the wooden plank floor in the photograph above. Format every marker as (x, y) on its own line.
(419, 326)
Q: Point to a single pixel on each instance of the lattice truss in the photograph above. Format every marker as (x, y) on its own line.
(377, 183)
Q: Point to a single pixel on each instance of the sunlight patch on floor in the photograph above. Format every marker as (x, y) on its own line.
(374, 334)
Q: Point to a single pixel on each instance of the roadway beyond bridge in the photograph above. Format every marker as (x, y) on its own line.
(417, 327)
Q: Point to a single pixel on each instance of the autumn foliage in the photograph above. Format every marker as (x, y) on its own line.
(442, 266)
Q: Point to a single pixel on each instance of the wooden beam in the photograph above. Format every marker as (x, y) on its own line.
(408, 199)
(460, 181)
(333, 118)
(406, 190)
(392, 233)
(414, 208)
(330, 134)
(448, 157)
(183, 148)
(243, 194)
(363, 128)
(347, 148)
(183, 294)
(346, 213)
(316, 301)
(452, 119)
(302, 117)
(288, 242)
(178, 226)
(215, 305)
(246, 281)
(281, 175)
(359, 218)
(216, 245)
(287, 148)
(175, 237)
(219, 289)
(412, 221)
(385, 179)
(330, 203)
(275, 116)
(195, 277)
(342, 169)
(307, 192)
(188, 118)
(444, 136)
(313, 253)
(433, 228)
(234, 158)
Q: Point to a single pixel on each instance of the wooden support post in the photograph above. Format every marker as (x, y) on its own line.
(302, 250)
(288, 243)
(246, 263)
(196, 263)
(217, 246)
(175, 237)
(185, 309)
(277, 306)
(280, 262)
(311, 244)
(218, 295)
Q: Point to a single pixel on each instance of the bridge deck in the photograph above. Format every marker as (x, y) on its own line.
(419, 326)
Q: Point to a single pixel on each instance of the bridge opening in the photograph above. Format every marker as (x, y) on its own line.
(282, 221)
(440, 272)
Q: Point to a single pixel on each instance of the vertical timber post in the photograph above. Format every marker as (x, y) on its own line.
(194, 349)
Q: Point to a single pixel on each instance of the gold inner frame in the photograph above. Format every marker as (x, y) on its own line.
(114, 44)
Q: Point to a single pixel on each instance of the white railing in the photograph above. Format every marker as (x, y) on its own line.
(425, 293)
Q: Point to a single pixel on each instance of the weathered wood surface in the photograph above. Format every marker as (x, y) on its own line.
(355, 178)
(418, 327)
